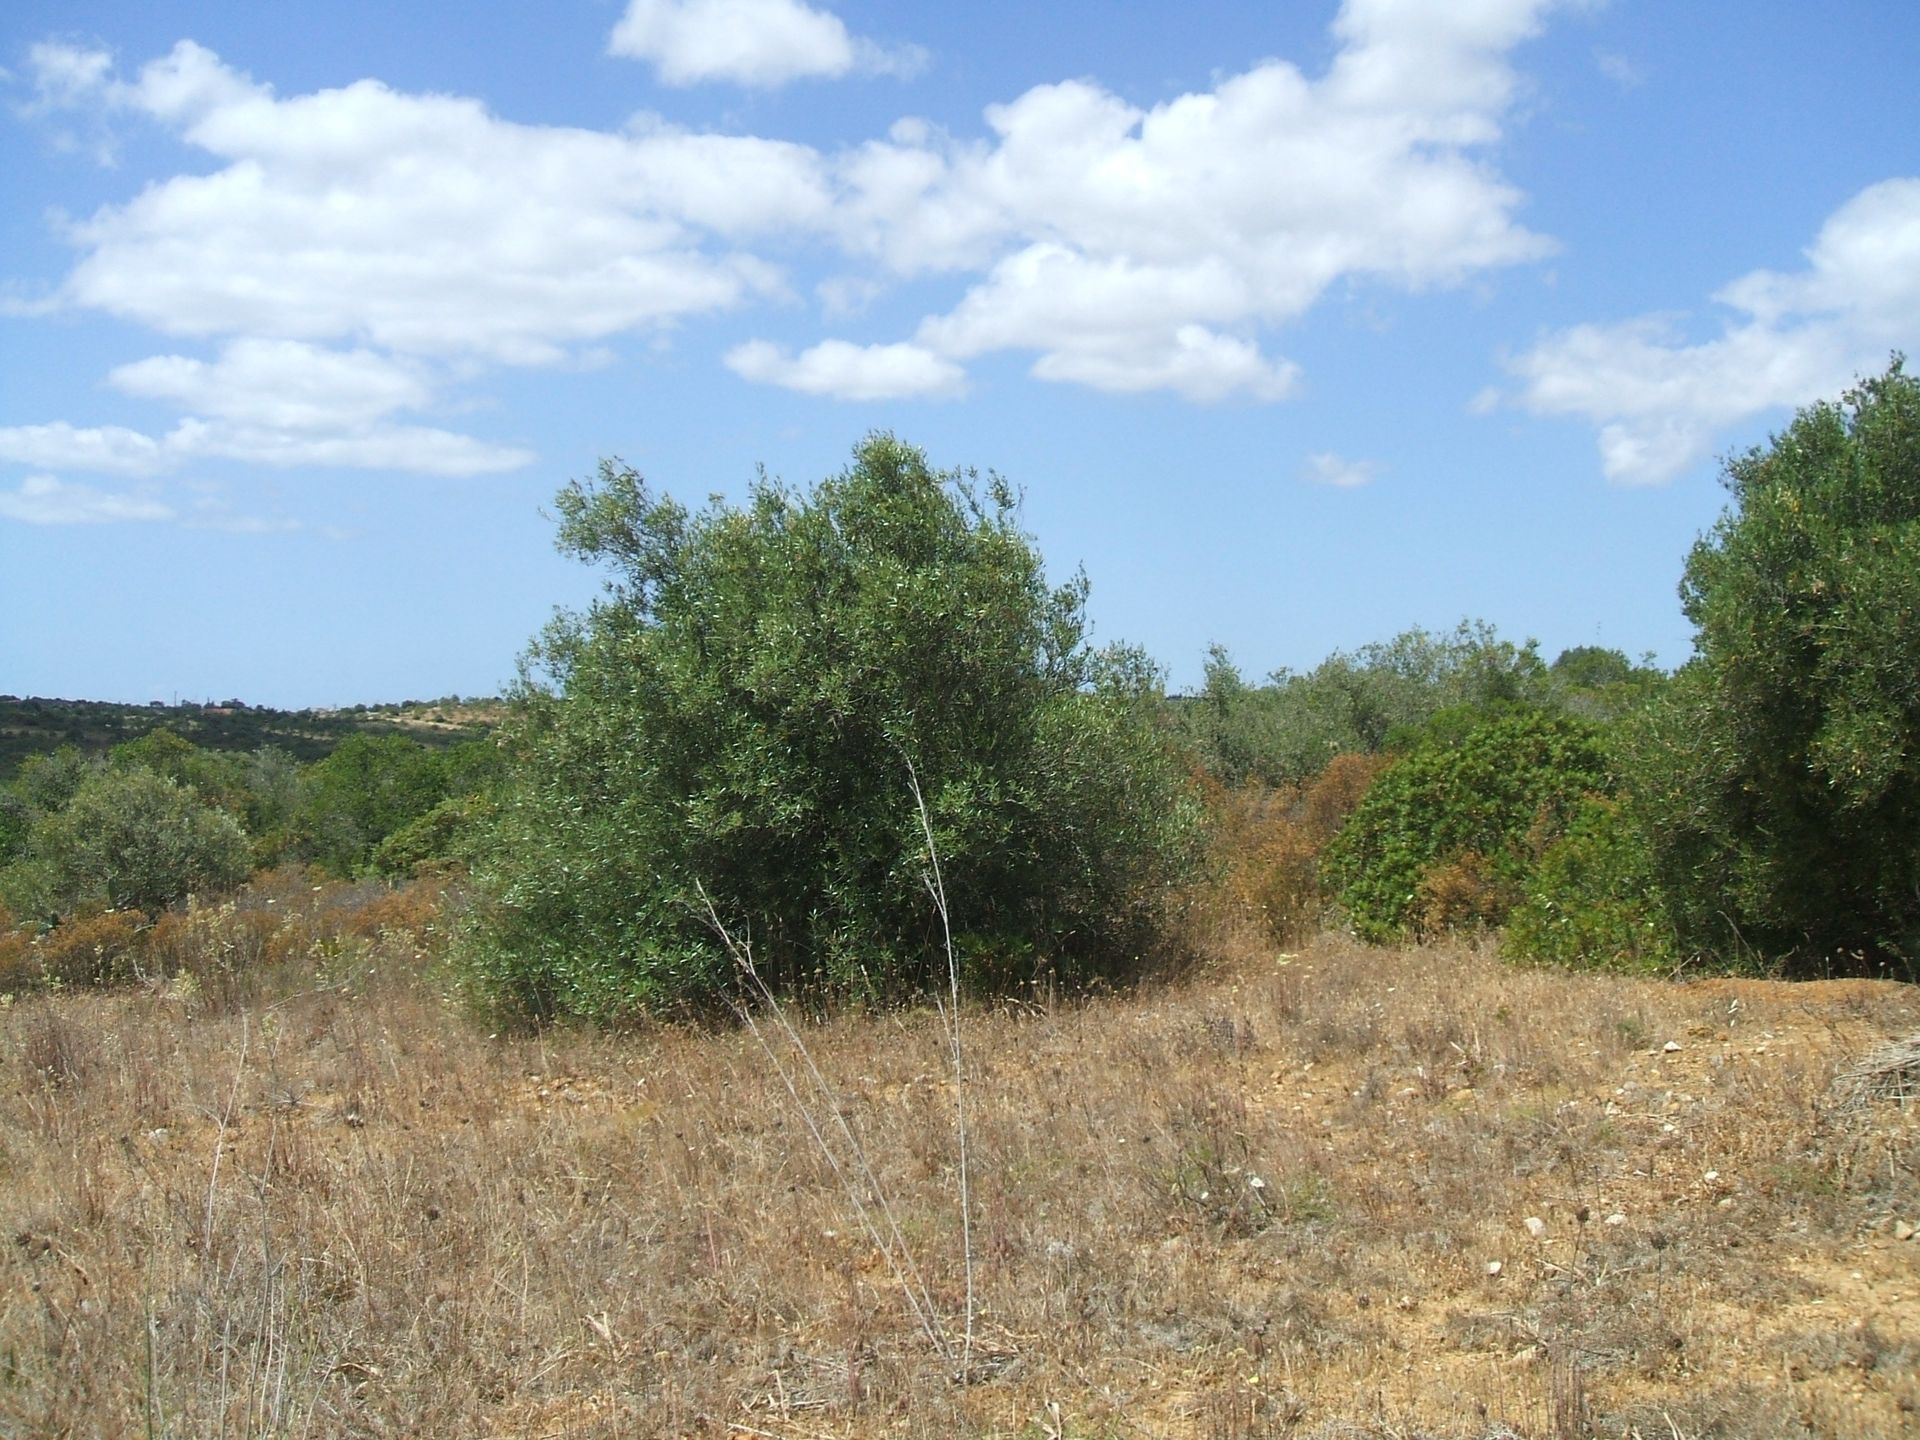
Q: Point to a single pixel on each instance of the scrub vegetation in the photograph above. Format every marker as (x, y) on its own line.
(831, 997)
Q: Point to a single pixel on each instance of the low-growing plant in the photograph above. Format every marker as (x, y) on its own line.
(1268, 842)
(92, 949)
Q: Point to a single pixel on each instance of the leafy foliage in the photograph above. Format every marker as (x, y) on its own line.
(1782, 777)
(1594, 901)
(370, 788)
(1285, 732)
(739, 713)
(1596, 683)
(127, 839)
(1450, 831)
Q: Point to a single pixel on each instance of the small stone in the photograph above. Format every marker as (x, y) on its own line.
(1494, 1267)
(1903, 1230)
(1536, 1227)
(1671, 1046)
(1712, 1175)
(1615, 1219)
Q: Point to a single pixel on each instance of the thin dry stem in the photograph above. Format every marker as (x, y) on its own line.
(950, 1017)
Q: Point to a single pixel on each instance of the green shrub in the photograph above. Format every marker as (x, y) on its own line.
(127, 840)
(373, 787)
(738, 715)
(444, 838)
(1451, 830)
(1593, 901)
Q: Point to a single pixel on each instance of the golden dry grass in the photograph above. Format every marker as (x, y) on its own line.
(1268, 1200)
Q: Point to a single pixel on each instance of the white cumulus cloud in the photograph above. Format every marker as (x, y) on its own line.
(846, 371)
(349, 248)
(466, 235)
(1661, 402)
(1135, 249)
(762, 43)
(282, 384)
(111, 449)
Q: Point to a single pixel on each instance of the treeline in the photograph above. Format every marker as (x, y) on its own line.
(1408, 788)
(1759, 808)
(35, 725)
(155, 820)
(850, 743)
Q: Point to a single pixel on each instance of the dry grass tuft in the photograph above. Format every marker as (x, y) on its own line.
(301, 1195)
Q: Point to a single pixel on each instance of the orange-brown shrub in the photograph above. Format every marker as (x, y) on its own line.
(1268, 842)
(92, 949)
(1461, 894)
(1336, 792)
(410, 912)
(19, 966)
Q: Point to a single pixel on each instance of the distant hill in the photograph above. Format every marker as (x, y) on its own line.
(36, 726)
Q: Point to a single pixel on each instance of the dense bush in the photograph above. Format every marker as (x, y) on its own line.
(126, 839)
(371, 788)
(740, 711)
(1450, 832)
(1780, 777)
(1593, 900)
(1286, 731)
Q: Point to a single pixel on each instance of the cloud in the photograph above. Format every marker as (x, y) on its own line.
(1137, 249)
(111, 449)
(64, 76)
(1327, 468)
(1620, 69)
(850, 372)
(43, 500)
(116, 450)
(270, 402)
(466, 235)
(1661, 402)
(348, 247)
(761, 43)
(419, 449)
(281, 384)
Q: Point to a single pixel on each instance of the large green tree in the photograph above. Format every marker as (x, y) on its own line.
(743, 712)
(1780, 779)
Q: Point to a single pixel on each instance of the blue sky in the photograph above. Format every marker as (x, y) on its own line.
(1297, 328)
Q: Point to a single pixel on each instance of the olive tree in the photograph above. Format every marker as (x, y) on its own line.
(744, 713)
(1779, 779)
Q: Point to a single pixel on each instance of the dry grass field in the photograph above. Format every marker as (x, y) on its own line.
(1341, 1192)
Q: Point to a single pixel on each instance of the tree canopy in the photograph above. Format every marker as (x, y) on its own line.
(1781, 777)
(742, 714)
